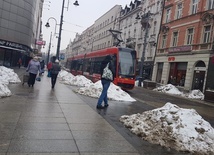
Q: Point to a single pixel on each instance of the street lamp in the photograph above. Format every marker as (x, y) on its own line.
(145, 23)
(60, 27)
(48, 25)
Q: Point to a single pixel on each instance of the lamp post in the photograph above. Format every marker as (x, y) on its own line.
(60, 27)
(49, 48)
(145, 24)
(48, 25)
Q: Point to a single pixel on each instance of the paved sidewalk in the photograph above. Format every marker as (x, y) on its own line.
(40, 121)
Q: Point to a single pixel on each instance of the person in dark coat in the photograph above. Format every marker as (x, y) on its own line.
(42, 64)
(55, 69)
(105, 82)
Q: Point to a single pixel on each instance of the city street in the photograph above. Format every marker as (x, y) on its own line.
(41, 120)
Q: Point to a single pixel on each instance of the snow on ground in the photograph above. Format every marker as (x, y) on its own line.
(171, 89)
(173, 127)
(114, 92)
(169, 126)
(7, 76)
(91, 89)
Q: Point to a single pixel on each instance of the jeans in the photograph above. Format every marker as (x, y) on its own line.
(53, 79)
(103, 96)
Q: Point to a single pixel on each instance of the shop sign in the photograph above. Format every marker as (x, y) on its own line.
(10, 44)
(171, 58)
(180, 49)
(40, 42)
(200, 68)
(13, 45)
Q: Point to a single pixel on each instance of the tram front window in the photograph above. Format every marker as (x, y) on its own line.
(126, 63)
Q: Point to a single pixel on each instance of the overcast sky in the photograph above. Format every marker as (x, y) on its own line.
(76, 18)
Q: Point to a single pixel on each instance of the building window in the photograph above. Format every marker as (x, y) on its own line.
(194, 6)
(164, 41)
(210, 4)
(207, 32)
(168, 13)
(179, 11)
(190, 36)
(175, 39)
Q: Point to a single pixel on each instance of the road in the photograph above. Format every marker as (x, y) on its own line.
(148, 100)
(158, 99)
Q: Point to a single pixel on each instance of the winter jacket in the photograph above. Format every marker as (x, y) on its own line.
(49, 65)
(34, 66)
(55, 69)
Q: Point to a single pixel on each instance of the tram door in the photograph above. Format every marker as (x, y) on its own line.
(198, 80)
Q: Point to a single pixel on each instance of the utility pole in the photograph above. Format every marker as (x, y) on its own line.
(49, 48)
(145, 23)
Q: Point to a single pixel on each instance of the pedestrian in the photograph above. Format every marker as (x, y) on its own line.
(33, 68)
(42, 64)
(55, 69)
(107, 76)
(19, 62)
(49, 66)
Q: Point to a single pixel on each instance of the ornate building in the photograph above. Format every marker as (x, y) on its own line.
(185, 46)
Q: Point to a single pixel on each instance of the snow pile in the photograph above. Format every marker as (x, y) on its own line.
(114, 92)
(70, 79)
(195, 94)
(173, 127)
(91, 89)
(8, 75)
(4, 90)
(171, 89)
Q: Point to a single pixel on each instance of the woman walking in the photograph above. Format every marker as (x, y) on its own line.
(33, 68)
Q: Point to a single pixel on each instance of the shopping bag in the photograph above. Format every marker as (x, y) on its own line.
(107, 73)
(38, 79)
(25, 78)
(49, 74)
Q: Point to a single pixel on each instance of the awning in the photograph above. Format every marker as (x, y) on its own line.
(13, 48)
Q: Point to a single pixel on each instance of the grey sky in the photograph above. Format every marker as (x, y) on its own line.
(76, 18)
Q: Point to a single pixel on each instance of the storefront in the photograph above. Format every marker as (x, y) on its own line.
(11, 52)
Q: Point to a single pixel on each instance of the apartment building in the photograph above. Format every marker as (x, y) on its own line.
(185, 44)
(131, 28)
(102, 37)
(20, 29)
(152, 9)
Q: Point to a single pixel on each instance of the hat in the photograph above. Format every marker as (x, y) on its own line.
(56, 60)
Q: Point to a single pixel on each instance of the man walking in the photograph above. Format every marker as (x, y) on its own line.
(55, 69)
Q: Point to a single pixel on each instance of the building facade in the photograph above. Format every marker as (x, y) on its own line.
(185, 45)
(102, 37)
(20, 29)
(150, 21)
(131, 28)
